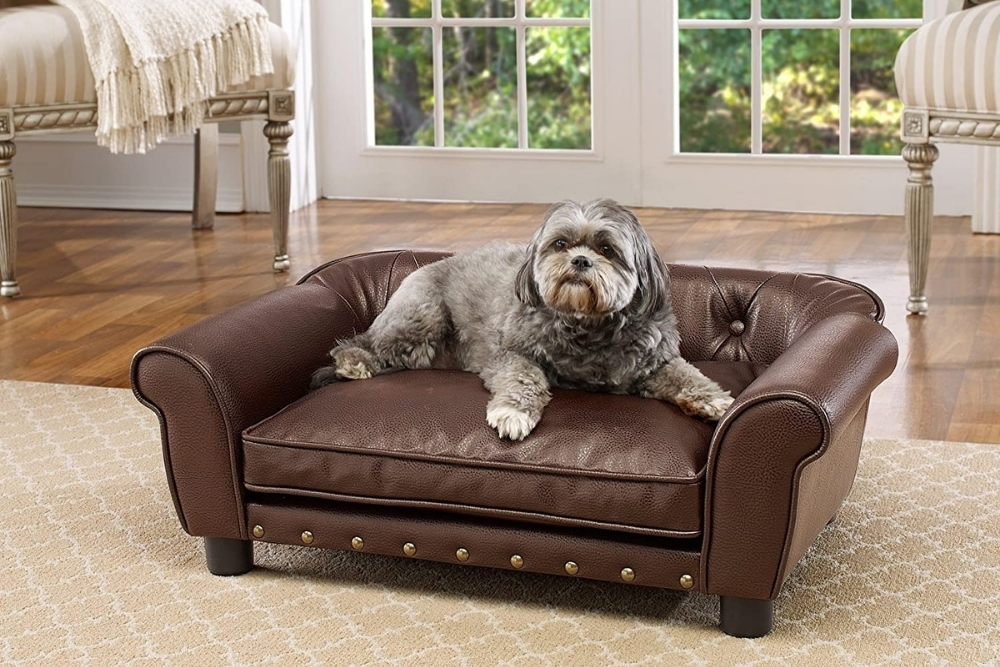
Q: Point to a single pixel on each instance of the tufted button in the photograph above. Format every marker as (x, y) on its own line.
(736, 328)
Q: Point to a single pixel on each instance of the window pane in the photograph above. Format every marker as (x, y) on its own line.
(480, 87)
(558, 8)
(875, 108)
(801, 88)
(558, 61)
(714, 9)
(402, 9)
(715, 91)
(887, 9)
(482, 9)
(404, 86)
(797, 9)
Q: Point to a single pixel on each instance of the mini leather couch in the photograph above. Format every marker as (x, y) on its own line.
(616, 488)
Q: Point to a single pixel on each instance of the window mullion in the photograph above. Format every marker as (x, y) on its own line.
(756, 80)
(845, 77)
(438, 65)
(522, 76)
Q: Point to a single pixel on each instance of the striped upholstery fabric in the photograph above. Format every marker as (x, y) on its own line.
(953, 63)
(42, 59)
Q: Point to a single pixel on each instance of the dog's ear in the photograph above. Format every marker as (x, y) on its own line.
(653, 291)
(524, 285)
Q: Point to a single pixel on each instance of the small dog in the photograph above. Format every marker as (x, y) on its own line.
(586, 305)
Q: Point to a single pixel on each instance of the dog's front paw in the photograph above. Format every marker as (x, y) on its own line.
(352, 363)
(709, 407)
(510, 422)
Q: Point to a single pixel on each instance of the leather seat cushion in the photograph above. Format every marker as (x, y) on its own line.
(43, 59)
(420, 439)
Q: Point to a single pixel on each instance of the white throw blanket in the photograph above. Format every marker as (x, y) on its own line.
(156, 62)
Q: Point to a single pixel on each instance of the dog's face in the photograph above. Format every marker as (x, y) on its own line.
(592, 260)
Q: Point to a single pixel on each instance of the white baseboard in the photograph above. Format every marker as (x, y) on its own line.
(72, 171)
(137, 198)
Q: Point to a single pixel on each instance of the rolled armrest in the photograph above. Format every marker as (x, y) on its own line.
(784, 457)
(210, 381)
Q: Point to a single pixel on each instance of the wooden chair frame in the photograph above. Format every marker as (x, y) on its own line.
(276, 106)
(921, 130)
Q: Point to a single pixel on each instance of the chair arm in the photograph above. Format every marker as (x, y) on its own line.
(763, 506)
(208, 382)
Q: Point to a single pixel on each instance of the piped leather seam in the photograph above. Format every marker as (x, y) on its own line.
(162, 418)
(475, 510)
(471, 463)
(206, 378)
(721, 431)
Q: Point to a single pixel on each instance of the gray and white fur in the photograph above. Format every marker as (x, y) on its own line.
(586, 305)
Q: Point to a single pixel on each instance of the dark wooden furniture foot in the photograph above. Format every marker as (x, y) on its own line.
(742, 617)
(226, 557)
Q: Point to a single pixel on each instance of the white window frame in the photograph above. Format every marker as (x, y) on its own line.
(353, 166)
(520, 22)
(757, 24)
(845, 184)
(634, 155)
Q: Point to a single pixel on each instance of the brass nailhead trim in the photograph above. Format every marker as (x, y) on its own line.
(628, 574)
(572, 568)
(409, 549)
(462, 555)
(307, 537)
(516, 562)
(258, 531)
(687, 581)
(358, 543)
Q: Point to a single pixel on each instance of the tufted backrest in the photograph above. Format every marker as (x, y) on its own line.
(723, 314)
(727, 314)
(366, 281)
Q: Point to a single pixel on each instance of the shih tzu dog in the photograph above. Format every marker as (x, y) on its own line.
(586, 305)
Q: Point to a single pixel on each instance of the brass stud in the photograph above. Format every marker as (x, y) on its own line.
(628, 574)
(307, 537)
(409, 549)
(462, 555)
(258, 531)
(687, 581)
(516, 562)
(572, 568)
(358, 543)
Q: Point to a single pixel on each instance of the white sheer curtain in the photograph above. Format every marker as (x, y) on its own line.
(296, 18)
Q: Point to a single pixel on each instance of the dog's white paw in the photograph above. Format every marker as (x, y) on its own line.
(510, 422)
(355, 371)
(710, 407)
(352, 363)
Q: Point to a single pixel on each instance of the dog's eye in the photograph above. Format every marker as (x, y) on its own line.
(607, 250)
(560, 244)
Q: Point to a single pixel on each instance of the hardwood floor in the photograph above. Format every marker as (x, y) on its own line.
(98, 285)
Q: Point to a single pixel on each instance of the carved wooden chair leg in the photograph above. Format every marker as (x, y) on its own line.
(206, 175)
(743, 617)
(919, 213)
(279, 180)
(8, 222)
(226, 557)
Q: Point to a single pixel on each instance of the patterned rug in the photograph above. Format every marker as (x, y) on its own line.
(95, 570)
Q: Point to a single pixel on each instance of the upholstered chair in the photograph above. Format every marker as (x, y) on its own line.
(948, 78)
(46, 86)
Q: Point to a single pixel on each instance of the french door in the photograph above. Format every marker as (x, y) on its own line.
(745, 104)
(427, 137)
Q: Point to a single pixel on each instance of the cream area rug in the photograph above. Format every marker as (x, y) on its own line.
(95, 570)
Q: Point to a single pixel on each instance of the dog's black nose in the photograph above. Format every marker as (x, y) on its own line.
(581, 263)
